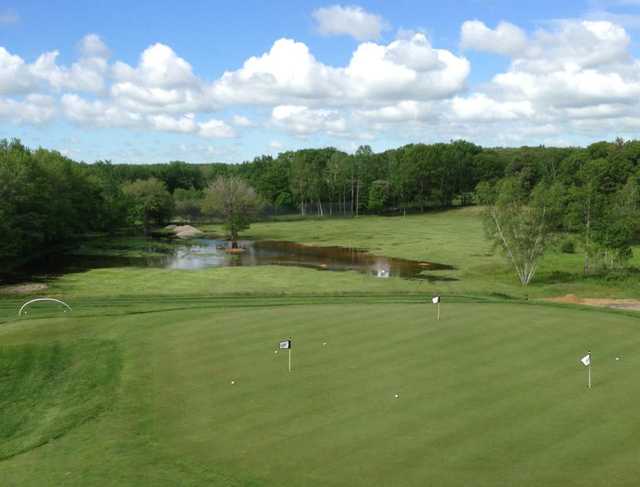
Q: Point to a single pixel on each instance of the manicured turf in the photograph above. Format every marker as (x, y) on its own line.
(134, 387)
(491, 395)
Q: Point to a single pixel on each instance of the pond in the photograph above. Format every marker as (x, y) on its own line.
(207, 252)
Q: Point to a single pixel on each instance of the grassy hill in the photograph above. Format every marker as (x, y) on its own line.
(163, 377)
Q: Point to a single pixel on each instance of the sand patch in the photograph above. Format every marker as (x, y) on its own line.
(184, 231)
(632, 304)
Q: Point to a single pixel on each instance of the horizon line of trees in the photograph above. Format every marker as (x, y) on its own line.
(47, 199)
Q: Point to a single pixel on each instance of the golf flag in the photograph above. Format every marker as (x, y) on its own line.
(435, 299)
(286, 344)
(586, 360)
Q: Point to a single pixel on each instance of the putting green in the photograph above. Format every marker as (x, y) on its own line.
(490, 395)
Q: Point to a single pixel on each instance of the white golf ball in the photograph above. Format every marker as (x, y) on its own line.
(617, 358)
(397, 396)
(233, 382)
(275, 351)
(324, 344)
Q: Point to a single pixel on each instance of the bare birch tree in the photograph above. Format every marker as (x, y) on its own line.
(519, 224)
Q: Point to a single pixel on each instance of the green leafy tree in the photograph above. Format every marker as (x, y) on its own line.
(615, 233)
(149, 201)
(233, 200)
(188, 203)
(378, 194)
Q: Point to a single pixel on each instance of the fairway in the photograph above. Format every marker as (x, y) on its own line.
(492, 394)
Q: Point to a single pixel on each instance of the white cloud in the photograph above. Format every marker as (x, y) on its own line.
(506, 38)
(92, 46)
(162, 82)
(15, 76)
(573, 71)
(104, 114)
(184, 124)
(353, 21)
(242, 121)
(404, 111)
(376, 75)
(98, 113)
(572, 78)
(301, 120)
(159, 67)
(85, 75)
(479, 107)
(215, 129)
(162, 92)
(34, 109)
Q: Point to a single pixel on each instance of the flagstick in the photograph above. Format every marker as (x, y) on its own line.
(290, 361)
(438, 310)
(589, 370)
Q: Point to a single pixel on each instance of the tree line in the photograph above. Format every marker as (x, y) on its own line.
(46, 198)
(592, 197)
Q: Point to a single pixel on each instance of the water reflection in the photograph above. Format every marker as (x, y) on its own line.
(205, 253)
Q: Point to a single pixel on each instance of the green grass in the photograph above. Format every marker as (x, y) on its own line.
(492, 394)
(46, 390)
(134, 386)
(453, 237)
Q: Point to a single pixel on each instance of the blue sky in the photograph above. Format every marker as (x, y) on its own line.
(143, 81)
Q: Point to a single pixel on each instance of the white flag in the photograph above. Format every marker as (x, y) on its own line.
(285, 344)
(586, 360)
(435, 300)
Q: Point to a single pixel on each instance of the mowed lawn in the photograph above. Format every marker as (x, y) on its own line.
(490, 395)
(454, 237)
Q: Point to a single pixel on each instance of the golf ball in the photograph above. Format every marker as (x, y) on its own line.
(397, 396)
(617, 358)
(233, 382)
(275, 351)
(324, 344)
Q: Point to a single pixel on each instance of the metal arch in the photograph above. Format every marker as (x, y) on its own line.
(43, 299)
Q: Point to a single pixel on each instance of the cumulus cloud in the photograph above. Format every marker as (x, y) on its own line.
(98, 113)
(165, 123)
(352, 21)
(572, 77)
(376, 74)
(15, 74)
(301, 120)
(34, 109)
(161, 91)
(87, 74)
(242, 121)
(216, 129)
(574, 70)
(506, 38)
(161, 82)
(159, 67)
(92, 46)
(404, 111)
(480, 107)
(104, 114)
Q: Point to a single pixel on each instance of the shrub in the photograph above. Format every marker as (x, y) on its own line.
(568, 246)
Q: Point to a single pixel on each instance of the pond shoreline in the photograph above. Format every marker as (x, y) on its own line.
(206, 252)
